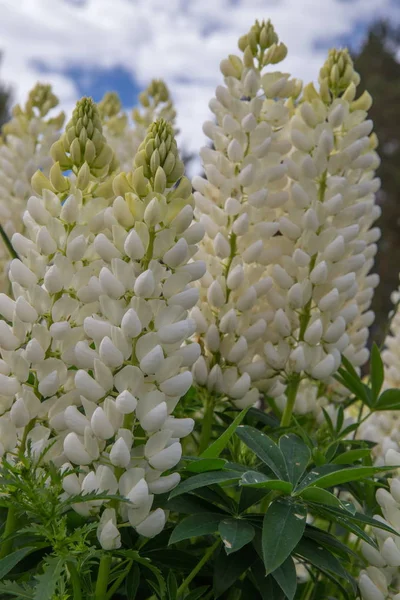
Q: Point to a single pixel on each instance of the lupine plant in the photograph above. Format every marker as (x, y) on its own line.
(190, 407)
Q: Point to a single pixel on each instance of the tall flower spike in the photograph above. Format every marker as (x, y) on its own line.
(141, 368)
(98, 326)
(24, 148)
(239, 202)
(54, 289)
(322, 285)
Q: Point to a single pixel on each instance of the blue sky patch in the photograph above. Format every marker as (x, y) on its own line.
(96, 81)
(352, 39)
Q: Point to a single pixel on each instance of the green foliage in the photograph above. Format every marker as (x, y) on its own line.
(259, 501)
(289, 485)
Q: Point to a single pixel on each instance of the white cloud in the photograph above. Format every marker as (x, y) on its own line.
(182, 41)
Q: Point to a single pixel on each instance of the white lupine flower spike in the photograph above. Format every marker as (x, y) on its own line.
(287, 208)
(239, 203)
(100, 317)
(26, 141)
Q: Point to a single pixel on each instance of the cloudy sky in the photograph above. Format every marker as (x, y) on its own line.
(86, 47)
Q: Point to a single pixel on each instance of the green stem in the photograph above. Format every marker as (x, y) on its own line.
(102, 577)
(10, 527)
(291, 392)
(76, 584)
(8, 243)
(149, 253)
(232, 242)
(197, 568)
(208, 419)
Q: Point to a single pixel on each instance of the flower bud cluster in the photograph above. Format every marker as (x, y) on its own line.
(83, 147)
(381, 580)
(24, 147)
(125, 137)
(92, 355)
(239, 203)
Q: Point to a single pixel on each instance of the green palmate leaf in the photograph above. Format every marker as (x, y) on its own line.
(346, 523)
(321, 496)
(195, 525)
(250, 496)
(296, 455)
(189, 504)
(218, 497)
(388, 400)
(349, 457)
(235, 533)
(228, 569)
(283, 526)
(203, 480)
(220, 444)
(10, 561)
(377, 373)
(259, 480)
(206, 464)
(48, 580)
(357, 517)
(286, 578)
(264, 448)
(321, 558)
(315, 473)
(344, 475)
(264, 417)
(330, 541)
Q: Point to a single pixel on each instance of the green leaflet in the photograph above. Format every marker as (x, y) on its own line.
(235, 533)
(220, 444)
(204, 480)
(195, 525)
(265, 449)
(283, 527)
